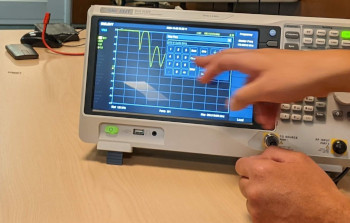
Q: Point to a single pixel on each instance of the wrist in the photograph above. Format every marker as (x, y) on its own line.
(342, 214)
(346, 206)
(338, 75)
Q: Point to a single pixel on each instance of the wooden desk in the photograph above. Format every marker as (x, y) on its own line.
(47, 174)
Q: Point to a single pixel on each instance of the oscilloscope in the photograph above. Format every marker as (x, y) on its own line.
(140, 85)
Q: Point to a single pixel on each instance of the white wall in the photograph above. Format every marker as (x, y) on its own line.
(33, 11)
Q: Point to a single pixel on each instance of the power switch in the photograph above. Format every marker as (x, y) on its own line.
(111, 129)
(339, 147)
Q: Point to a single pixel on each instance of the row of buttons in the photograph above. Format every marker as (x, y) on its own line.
(307, 108)
(319, 33)
(296, 117)
(322, 33)
(318, 41)
(311, 108)
(322, 42)
(312, 37)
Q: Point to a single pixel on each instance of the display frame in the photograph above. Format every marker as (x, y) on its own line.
(92, 59)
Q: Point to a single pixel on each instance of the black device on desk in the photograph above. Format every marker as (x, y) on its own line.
(62, 32)
(22, 51)
(34, 39)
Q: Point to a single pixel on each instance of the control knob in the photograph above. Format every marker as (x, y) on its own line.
(339, 147)
(342, 98)
(271, 140)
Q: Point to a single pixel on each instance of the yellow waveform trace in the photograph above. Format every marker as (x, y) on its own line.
(151, 54)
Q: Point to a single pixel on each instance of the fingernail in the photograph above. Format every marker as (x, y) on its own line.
(201, 79)
(227, 103)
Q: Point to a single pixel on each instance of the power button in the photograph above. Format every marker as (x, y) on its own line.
(111, 129)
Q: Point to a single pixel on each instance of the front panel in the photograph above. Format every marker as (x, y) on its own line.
(141, 88)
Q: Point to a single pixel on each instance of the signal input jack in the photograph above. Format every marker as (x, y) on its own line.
(154, 133)
(271, 140)
(339, 147)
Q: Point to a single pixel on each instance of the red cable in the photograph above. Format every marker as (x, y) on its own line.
(45, 22)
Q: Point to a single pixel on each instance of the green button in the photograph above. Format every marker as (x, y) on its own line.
(111, 129)
(345, 34)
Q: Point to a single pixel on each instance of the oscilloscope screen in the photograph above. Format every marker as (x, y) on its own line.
(148, 70)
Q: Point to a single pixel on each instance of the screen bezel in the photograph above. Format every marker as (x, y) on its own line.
(91, 63)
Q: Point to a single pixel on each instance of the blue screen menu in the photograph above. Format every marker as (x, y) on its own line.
(148, 69)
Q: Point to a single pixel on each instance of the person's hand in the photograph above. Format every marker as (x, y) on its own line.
(277, 76)
(288, 187)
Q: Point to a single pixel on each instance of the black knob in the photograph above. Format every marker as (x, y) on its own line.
(271, 140)
(339, 147)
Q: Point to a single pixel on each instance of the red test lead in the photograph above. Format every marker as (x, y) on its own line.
(45, 23)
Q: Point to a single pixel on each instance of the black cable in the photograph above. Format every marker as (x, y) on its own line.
(236, 4)
(259, 7)
(183, 5)
(341, 175)
(66, 45)
(279, 8)
(230, 7)
(68, 37)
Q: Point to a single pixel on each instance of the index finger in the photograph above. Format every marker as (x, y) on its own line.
(215, 64)
(202, 61)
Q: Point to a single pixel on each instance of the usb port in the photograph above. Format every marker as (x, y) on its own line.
(139, 132)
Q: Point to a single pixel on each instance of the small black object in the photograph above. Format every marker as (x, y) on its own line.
(338, 114)
(114, 158)
(22, 51)
(341, 175)
(339, 147)
(34, 39)
(62, 32)
(271, 140)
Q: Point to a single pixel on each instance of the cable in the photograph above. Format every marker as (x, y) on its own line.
(66, 45)
(279, 8)
(67, 38)
(341, 175)
(45, 22)
(259, 7)
(236, 4)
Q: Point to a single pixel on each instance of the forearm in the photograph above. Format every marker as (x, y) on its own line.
(346, 217)
(335, 65)
(342, 212)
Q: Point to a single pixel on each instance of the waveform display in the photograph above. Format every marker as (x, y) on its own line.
(151, 54)
(153, 71)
